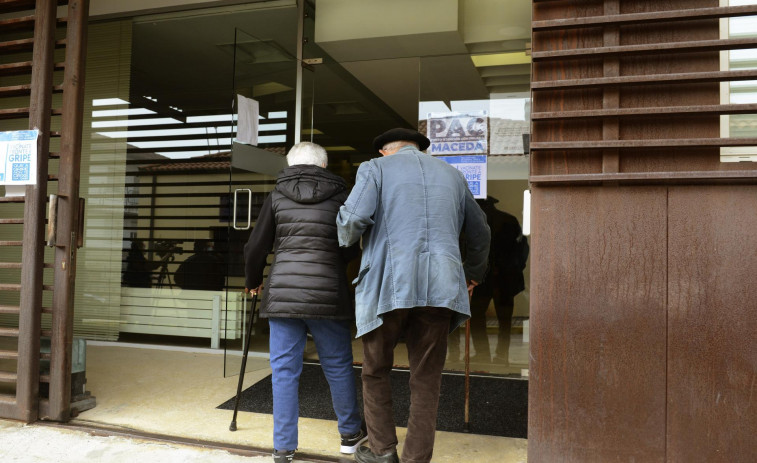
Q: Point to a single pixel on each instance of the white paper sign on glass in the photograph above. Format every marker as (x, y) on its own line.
(474, 168)
(18, 157)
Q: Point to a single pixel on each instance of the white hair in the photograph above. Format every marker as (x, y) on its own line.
(307, 153)
(395, 145)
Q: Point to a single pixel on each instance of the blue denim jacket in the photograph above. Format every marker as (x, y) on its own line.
(410, 208)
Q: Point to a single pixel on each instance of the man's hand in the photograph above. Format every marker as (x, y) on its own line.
(471, 285)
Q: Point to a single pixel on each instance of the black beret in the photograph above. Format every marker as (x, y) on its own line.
(403, 135)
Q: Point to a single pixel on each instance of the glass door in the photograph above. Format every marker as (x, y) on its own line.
(264, 109)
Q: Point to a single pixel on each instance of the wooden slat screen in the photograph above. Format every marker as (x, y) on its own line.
(614, 85)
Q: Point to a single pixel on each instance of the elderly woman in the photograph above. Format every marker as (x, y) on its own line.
(307, 291)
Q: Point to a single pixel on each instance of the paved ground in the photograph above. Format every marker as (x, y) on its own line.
(46, 444)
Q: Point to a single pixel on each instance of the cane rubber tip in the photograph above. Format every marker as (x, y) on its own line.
(233, 426)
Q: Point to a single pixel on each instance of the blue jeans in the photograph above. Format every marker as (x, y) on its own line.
(333, 340)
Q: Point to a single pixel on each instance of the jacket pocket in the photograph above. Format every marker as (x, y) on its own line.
(361, 274)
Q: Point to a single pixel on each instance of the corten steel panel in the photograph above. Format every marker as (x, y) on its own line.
(712, 325)
(597, 364)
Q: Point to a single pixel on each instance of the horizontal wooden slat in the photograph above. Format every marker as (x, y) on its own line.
(7, 377)
(10, 332)
(46, 333)
(648, 112)
(20, 23)
(682, 78)
(655, 48)
(12, 69)
(646, 177)
(8, 400)
(16, 90)
(23, 67)
(11, 243)
(48, 287)
(10, 287)
(44, 378)
(12, 199)
(636, 144)
(12, 46)
(25, 45)
(645, 18)
(22, 113)
(11, 221)
(14, 113)
(9, 309)
(10, 264)
(8, 354)
(12, 6)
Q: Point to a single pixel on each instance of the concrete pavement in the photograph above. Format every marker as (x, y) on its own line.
(46, 444)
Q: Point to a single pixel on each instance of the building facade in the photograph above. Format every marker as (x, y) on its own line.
(630, 122)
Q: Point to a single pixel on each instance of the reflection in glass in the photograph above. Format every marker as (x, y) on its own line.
(742, 92)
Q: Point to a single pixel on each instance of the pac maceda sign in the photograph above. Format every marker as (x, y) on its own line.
(457, 133)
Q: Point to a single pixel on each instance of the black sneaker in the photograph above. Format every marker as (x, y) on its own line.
(283, 456)
(365, 455)
(350, 442)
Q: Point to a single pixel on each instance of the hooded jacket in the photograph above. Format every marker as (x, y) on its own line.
(307, 278)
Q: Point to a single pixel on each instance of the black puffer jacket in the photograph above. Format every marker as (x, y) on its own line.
(298, 221)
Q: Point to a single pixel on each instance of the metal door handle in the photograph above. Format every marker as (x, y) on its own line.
(249, 209)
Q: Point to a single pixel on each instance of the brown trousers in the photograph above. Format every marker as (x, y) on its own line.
(425, 330)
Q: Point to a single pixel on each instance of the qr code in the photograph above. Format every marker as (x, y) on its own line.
(475, 188)
(20, 171)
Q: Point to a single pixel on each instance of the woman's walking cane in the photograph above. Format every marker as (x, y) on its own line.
(233, 425)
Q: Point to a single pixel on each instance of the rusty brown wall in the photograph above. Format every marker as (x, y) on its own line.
(644, 257)
(712, 324)
(597, 370)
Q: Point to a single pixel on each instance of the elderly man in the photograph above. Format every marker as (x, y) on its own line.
(410, 209)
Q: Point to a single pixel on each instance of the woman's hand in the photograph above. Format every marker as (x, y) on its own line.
(254, 291)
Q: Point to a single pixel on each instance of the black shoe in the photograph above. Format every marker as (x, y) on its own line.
(350, 442)
(283, 456)
(366, 455)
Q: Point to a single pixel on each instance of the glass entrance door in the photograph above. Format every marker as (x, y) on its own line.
(265, 100)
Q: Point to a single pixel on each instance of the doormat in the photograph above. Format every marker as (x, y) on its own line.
(498, 405)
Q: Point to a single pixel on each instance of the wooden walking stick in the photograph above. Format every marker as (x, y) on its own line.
(467, 376)
(233, 425)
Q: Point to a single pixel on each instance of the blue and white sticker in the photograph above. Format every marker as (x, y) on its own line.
(18, 157)
(474, 168)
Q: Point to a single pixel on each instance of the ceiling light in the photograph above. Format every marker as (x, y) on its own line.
(500, 59)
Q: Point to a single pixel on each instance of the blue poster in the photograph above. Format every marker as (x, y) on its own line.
(18, 157)
(474, 168)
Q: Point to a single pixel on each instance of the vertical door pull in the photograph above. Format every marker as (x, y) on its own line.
(249, 209)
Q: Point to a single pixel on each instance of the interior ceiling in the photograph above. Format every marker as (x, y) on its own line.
(188, 63)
